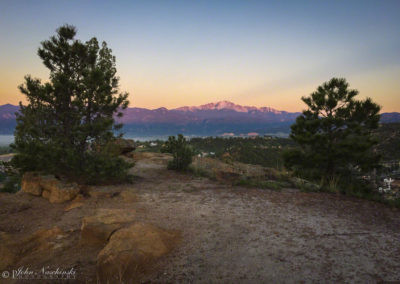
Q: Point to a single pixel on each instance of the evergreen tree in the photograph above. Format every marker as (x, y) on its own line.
(334, 133)
(67, 121)
(182, 153)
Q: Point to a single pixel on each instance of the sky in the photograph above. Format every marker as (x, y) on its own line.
(176, 53)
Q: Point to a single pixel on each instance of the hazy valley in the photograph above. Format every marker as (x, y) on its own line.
(214, 119)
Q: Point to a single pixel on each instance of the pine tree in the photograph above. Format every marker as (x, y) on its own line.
(334, 133)
(67, 121)
(182, 153)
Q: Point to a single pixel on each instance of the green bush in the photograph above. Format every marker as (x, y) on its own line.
(356, 187)
(103, 168)
(10, 178)
(181, 152)
(11, 184)
(394, 202)
(199, 172)
(3, 177)
(6, 183)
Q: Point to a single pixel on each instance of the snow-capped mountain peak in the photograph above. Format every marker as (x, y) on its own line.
(226, 105)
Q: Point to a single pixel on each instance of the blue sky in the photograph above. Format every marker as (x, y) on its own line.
(174, 53)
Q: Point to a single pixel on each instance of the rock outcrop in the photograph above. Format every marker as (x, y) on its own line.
(12, 250)
(96, 229)
(124, 146)
(77, 202)
(49, 187)
(131, 250)
(30, 183)
(7, 251)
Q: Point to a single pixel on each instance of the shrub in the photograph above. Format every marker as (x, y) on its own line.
(181, 152)
(103, 168)
(10, 178)
(11, 184)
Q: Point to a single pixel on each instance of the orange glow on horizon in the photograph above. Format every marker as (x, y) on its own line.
(197, 91)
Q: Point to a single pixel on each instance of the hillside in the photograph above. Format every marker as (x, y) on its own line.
(265, 151)
(216, 232)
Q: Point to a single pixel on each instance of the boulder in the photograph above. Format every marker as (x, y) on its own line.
(49, 187)
(132, 250)
(130, 155)
(13, 249)
(124, 146)
(96, 229)
(7, 251)
(30, 183)
(43, 239)
(58, 191)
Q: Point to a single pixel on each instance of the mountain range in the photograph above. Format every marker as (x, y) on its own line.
(205, 120)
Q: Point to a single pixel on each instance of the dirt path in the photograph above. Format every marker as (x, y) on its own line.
(233, 234)
(237, 235)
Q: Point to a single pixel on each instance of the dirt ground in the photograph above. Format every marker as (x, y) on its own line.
(228, 234)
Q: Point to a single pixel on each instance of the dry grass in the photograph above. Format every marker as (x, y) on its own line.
(235, 172)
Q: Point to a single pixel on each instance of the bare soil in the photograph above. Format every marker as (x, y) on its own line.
(228, 234)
